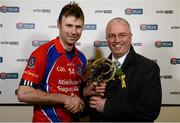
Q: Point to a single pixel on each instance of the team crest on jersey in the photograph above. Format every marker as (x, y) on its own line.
(31, 62)
(79, 69)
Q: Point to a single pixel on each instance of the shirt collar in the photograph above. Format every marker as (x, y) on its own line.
(59, 46)
(121, 59)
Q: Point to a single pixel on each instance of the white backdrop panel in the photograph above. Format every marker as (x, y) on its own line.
(39, 18)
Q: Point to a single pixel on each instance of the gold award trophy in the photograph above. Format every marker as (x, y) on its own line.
(101, 70)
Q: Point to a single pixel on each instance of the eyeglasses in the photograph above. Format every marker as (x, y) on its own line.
(120, 36)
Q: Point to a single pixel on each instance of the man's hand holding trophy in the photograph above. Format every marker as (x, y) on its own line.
(97, 75)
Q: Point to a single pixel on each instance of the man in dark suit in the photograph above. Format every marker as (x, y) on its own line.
(135, 94)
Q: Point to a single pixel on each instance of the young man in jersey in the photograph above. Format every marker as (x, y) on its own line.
(51, 80)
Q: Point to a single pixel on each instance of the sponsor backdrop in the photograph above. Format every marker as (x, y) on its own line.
(27, 24)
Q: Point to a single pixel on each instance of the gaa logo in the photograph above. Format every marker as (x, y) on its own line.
(159, 44)
(5, 9)
(21, 25)
(100, 44)
(130, 11)
(4, 75)
(175, 61)
(144, 27)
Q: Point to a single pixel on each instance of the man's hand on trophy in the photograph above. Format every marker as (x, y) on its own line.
(94, 89)
(97, 102)
(100, 88)
(89, 90)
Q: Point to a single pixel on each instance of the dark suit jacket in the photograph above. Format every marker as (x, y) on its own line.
(140, 100)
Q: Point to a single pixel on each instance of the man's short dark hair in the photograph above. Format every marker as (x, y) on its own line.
(71, 9)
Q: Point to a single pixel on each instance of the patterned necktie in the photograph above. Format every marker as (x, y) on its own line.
(118, 68)
(118, 65)
(120, 74)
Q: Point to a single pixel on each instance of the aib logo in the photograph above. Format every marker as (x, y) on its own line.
(4, 75)
(100, 43)
(10, 9)
(159, 44)
(144, 27)
(130, 11)
(21, 25)
(175, 61)
(89, 27)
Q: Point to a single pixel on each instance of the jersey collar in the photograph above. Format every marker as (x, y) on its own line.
(59, 46)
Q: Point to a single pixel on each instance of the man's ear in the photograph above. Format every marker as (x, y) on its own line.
(58, 24)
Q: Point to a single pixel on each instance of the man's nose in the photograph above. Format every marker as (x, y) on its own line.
(74, 30)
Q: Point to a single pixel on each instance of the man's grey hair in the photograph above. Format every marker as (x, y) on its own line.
(118, 19)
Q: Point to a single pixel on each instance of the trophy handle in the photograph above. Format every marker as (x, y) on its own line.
(101, 70)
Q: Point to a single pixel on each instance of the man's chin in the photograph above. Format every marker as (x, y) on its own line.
(70, 43)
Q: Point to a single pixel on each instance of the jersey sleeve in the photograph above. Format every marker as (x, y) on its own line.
(35, 69)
